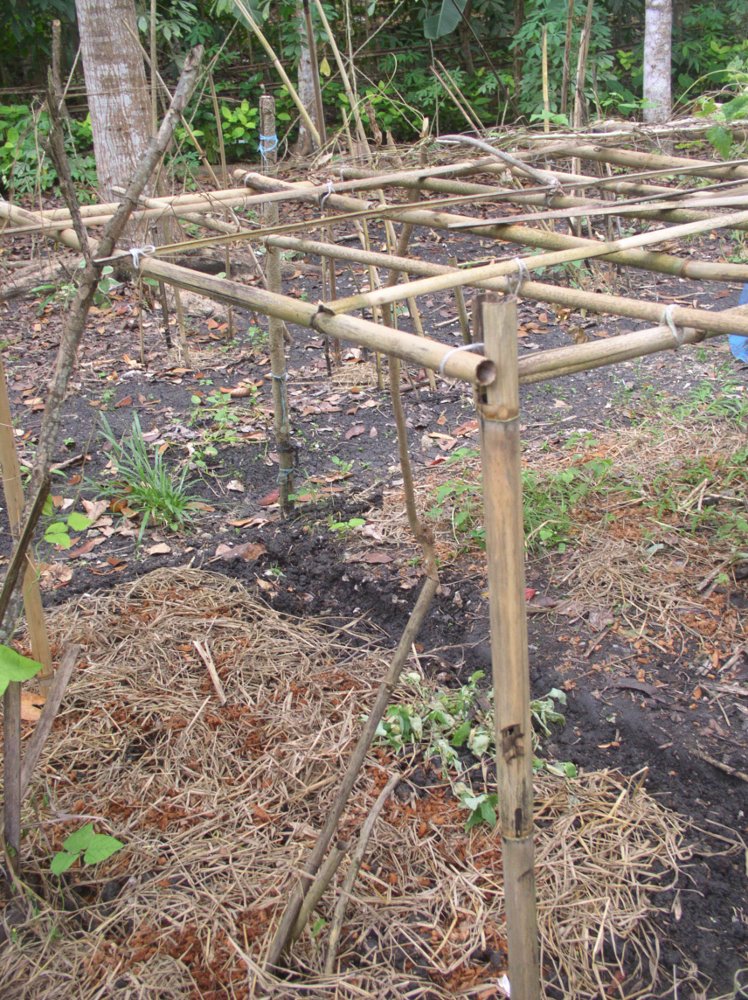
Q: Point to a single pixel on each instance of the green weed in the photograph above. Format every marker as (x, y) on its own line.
(550, 501)
(218, 418)
(144, 483)
(91, 847)
(443, 723)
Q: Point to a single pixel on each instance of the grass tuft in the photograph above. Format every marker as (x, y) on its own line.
(143, 481)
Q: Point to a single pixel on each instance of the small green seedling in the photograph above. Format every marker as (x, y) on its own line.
(482, 806)
(94, 847)
(16, 668)
(343, 527)
(58, 531)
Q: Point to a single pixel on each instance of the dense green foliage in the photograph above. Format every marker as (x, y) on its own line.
(453, 63)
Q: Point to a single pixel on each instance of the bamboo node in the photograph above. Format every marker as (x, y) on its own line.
(498, 413)
(512, 742)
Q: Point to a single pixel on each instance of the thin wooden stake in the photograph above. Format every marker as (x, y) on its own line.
(12, 774)
(399, 659)
(12, 698)
(546, 98)
(276, 326)
(353, 870)
(502, 498)
(43, 727)
(11, 472)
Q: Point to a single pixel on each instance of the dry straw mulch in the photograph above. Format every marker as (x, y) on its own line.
(218, 804)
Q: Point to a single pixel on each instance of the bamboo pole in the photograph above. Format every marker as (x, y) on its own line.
(462, 314)
(247, 15)
(707, 323)
(348, 87)
(559, 361)
(502, 499)
(584, 250)
(11, 472)
(277, 329)
(424, 352)
(638, 159)
(524, 235)
(567, 58)
(546, 96)
(312, 47)
(384, 694)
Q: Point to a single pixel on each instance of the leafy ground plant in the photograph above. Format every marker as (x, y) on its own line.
(16, 668)
(550, 499)
(57, 531)
(443, 723)
(218, 420)
(142, 483)
(86, 843)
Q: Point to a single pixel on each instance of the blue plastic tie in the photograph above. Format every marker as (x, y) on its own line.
(738, 342)
(268, 144)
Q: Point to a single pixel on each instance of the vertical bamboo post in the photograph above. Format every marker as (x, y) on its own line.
(276, 327)
(498, 411)
(462, 313)
(11, 474)
(230, 333)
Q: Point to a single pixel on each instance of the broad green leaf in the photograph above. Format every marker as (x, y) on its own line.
(78, 522)
(14, 667)
(736, 108)
(54, 538)
(80, 839)
(56, 528)
(721, 140)
(445, 20)
(62, 861)
(102, 847)
(461, 734)
(488, 813)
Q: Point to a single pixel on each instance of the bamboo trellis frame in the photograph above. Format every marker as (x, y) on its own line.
(491, 376)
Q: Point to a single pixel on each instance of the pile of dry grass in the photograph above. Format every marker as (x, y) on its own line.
(218, 804)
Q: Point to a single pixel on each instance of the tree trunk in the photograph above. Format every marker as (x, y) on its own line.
(658, 25)
(305, 84)
(117, 90)
(519, 19)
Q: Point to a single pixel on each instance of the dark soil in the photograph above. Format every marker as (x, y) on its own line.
(347, 459)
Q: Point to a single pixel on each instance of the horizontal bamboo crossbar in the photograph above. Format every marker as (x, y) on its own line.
(566, 206)
(525, 235)
(636, 158)
(465, 365)
(461, 364)
(727, 321)
(450, 280)
(95, 215)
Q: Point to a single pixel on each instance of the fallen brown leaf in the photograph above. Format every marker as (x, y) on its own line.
(31, 706)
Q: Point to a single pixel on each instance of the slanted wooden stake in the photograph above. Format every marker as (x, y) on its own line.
(498, 410)
(276, 326)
